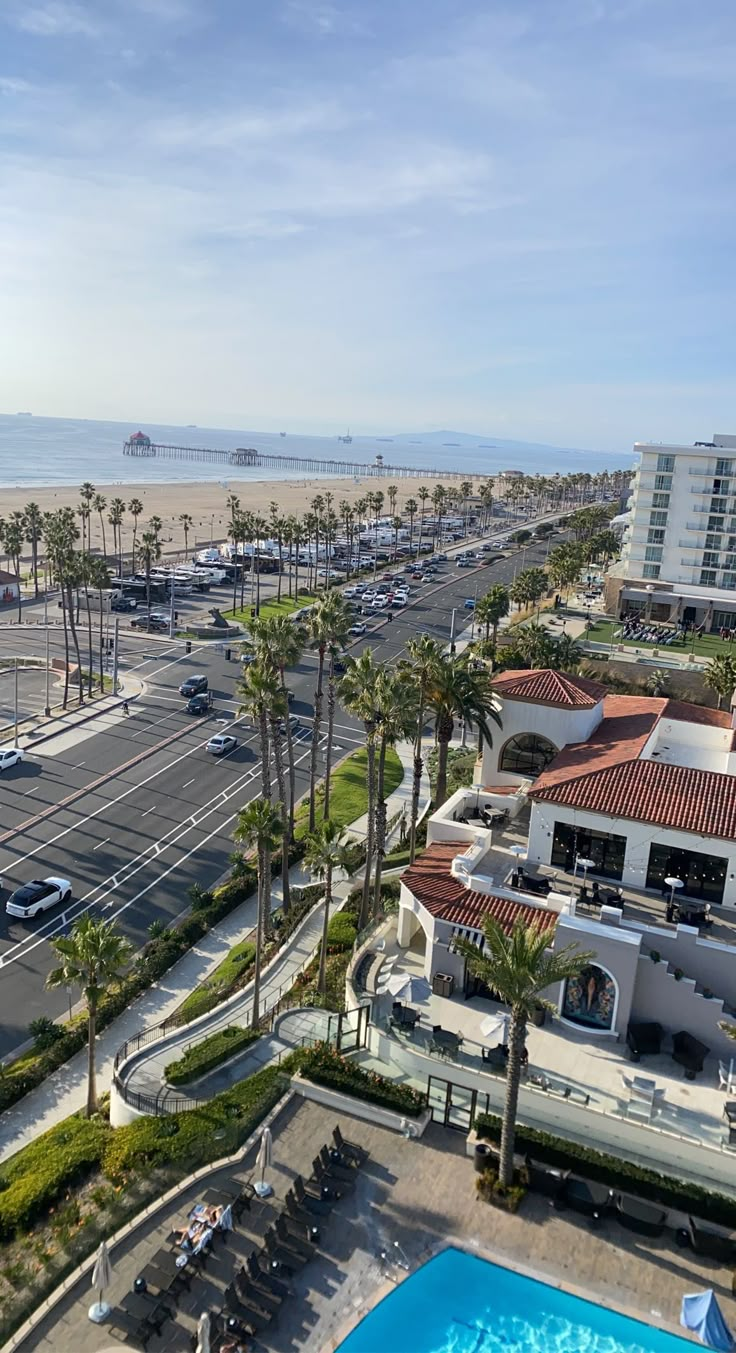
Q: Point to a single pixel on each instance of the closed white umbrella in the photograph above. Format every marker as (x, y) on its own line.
(265, 1150)
(495, 1026)
(203, 1333)
(408, 987)
(101, 1280)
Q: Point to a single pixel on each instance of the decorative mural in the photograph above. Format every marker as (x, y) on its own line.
(590, 998)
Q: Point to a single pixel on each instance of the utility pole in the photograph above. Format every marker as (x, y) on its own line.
(47, 707)
(115, 656)
(172, 613)
(15, 680)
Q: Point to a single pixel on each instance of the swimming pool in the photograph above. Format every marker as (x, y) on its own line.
(458, 1303)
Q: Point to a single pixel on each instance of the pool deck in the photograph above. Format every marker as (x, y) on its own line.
(420, 1194)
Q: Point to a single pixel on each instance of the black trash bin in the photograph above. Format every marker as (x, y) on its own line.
(228, 654)
(482, 1157)
(188, 646)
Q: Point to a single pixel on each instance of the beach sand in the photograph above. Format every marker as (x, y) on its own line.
(206, 503)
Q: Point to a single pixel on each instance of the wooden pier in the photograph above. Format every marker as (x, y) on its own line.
(248, 457)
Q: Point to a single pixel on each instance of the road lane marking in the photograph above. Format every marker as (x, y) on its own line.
(32, 790)
(102, 843)
(189, 782)
(149, 810)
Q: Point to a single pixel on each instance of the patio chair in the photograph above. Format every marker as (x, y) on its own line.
(712, 1241)
(338, 1183)
(334, 1164)
(314, 1202)
(287, 1258)
(138, 1330)
(254, 1317)
(545, 1179)
(349, 1150)
(726, 1077)
(496, 1058)
(689, 1053)
(592, 1200)
(644, 1039)
(257, 1296)
(289, 1237)
(646, 1219)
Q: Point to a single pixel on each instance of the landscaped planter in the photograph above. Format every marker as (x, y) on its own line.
(359, 1108)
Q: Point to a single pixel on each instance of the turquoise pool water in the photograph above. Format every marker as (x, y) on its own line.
(458, 1303)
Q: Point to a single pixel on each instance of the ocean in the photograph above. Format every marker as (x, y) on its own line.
(59, 451)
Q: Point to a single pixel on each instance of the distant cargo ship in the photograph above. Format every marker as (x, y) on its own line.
(282, 434)
(24, 413)
(450, 443)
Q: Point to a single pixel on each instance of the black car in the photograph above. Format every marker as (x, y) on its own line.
(200, 704)
(151, 623)
(194, 685)
(123, 604)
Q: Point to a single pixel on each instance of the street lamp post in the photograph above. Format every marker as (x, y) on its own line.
(47, 707)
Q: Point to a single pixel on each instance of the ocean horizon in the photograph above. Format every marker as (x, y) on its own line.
(57, 452)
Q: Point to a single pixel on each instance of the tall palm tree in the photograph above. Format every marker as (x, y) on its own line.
(326, 851)
(411, 512)
(115, 518)
(150, 554)
(87, 493)
(258, 825)
(55, 533)
(99, 578)
(458, 691)
(156, 526)
(277, 523)
(396, 705)
(84, 560)
(492, 608)
(439, 498)
(14, 537)
(256, 693)
(423, 495)
(265, 699)
(327, 626)
(186, 521)
(135, 507)
(357, 691)
(33, 523)
(520, 968)
(424, 654)
(99, 503)
(91, 958)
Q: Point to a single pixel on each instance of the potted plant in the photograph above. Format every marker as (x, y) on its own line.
(678, 974)
(539, 1015)
(708, 993)
(655, 955)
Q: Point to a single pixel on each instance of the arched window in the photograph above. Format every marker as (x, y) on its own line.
(590, 998)
(527, 754)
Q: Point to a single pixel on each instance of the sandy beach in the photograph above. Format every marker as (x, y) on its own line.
(205, 502)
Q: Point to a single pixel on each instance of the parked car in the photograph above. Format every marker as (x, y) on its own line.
(10, 756)
(221, 744)
(150, 623)
(351, 592)
(358, 628)
(37, 896)
(200, 704)
(123, 604)
(193, 685)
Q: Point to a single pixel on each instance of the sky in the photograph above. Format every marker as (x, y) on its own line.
(513, 218)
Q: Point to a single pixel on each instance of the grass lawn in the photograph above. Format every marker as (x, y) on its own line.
(219, 982)
(707, 646)
(349, 789)
(286, 606)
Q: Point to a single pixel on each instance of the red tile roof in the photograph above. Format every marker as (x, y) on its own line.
(430, 881)
(544, 686)
(606, 774)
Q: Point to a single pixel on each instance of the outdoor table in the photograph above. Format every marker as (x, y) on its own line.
(729, 1110)
(445, 1041)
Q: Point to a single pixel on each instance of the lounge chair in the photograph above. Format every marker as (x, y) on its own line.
(334, 1164)
(348, 1150)
(236, 1295)
(314, 1202)
(689, 1052)
(264, 1276)
(646, 1219)
(258, 1298)
(138, 1330)
(497, 1057)
(592, 1200)
(644, 1040)
(712, 1241)
(335, 1180)
(546, 1179)
(293, 1240)
(288, 1258)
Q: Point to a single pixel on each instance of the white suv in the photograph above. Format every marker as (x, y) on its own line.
(10, 756)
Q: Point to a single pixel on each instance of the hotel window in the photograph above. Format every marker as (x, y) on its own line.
(657, 518)
(655, 537)
(665, 464)
(660, 500)
(650, 571)
(724, 467)
(653, 553)
(715, 523)
(721, 486)
(714, 542)
(707, 577)
(710, 559)
(730, 561)
(663, 481)
(729, 582)
(605, 849)
(719, 504)
(526, 754)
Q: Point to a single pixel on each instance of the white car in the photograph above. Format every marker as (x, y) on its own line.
(358, 628)
(399, 600)
(37, 896)
(351, 592)
(10, 756)
(378, 603)
(221, 744)
(369, 596)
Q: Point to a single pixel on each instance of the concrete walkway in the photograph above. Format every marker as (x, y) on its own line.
(64, 1092)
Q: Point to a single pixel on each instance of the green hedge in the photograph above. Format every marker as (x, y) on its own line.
(220, 983)
(34, 1179)
(325, 1066)
(615, 1172)
(341, 933)
(208, 1054)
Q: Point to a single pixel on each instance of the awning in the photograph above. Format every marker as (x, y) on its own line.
(464, 932)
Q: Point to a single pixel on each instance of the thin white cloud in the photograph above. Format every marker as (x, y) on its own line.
(233, 128)
(57, 19)
(325, 19)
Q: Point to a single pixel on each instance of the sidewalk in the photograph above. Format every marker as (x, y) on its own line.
(65, 1091)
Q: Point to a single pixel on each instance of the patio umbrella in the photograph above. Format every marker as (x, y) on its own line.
(518, 851)
(101, 1280)
(408, 987)
(226, 1218)
(495, 1026)
(203, 1333)
(700, 1312)
(263, 1160)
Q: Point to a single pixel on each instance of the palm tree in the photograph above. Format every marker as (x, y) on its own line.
(281, 642)
(186, 522)
(396, 704)
(92, 957)
(277, 524)
(423, 495)
(568, 654)
(99, 578)
(14, 539)
(720, 676)
(521, 970)
(99, 503)
(115, 519)
(424, 653)
(258, 825)
(492, 608)
(150, 554)
(439, 497)
(357, 691)
(87, 493)
(265, 698)
(327, 626)
(84, 560)
(256, 692)
(325, 852)
(411, 512)
(458, 691)
(33, 525)
(135, 507)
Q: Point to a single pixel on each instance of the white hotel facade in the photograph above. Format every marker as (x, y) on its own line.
(678, 558)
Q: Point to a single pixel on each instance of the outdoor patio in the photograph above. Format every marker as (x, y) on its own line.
(411, 1198)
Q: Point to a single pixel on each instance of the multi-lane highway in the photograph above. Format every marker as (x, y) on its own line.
(134, 810)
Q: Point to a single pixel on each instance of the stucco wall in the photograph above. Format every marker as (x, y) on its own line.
(561, 726)
(615, 951)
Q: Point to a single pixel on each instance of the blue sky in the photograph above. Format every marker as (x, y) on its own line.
(512, 218)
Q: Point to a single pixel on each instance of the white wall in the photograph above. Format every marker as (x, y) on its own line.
(561, 726)
(639, 838)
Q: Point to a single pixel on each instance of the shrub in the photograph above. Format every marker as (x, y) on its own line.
(208, 1054)
(45, 1033)
(38, 1175)
(325, 1066)
(491, 1191)
(615, 1172)
(341, 933)
(227, 975)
